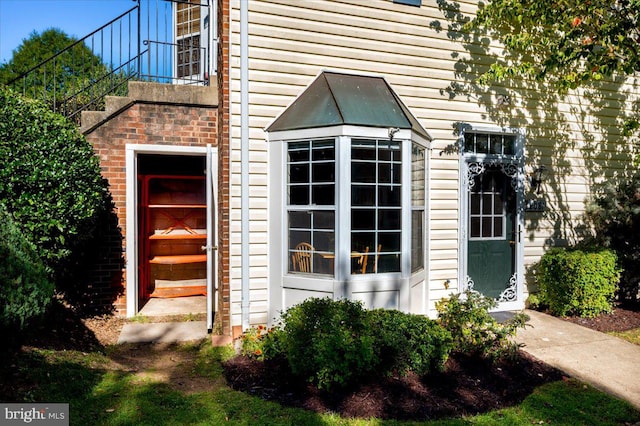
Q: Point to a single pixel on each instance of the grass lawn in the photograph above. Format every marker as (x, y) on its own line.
(632, 336)
(103, 390)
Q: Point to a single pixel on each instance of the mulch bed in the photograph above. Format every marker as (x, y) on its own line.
(620, 319)
(468, 386)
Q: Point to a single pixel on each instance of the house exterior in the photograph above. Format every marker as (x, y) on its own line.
(349, 153)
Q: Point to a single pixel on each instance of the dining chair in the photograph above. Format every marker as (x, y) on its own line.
(301, 257)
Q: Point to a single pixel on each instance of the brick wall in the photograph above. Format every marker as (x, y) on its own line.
(153, 123)
(224, 268)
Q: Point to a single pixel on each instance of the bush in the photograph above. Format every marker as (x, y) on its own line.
(615, 216)
(328, 343)
(577, 282)
(406, 342)
(50, 179)
(261, 343)
(474, 331)
(25, 289)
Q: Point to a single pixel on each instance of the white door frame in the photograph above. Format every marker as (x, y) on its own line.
(131, 239)
(513, 297)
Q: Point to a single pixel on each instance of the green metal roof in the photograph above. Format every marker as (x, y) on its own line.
(346, 99)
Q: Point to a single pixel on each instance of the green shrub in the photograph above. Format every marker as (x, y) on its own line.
(475, 332)
(407, 342)
(50, 178)
(615, 216)
(328, 343)
(577, 282)
(262, 343)
(25, 288)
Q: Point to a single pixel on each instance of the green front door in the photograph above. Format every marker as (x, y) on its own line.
(491, 241)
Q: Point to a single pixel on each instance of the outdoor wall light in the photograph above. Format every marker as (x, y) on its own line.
(537, 178)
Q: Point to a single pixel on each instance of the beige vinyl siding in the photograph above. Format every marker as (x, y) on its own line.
(291, 41)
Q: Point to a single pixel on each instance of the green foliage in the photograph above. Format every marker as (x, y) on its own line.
(466, 316)
(25, 288)
(262, 343)
(569, 42)
(328, 342)
(336, 343)
(406, 342)
(615, 216)
(577, 282)
(50, 179)
(38, 47)
(76, 78)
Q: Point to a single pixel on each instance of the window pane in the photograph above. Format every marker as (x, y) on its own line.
(389, 241)
(321, 153)
(363, 172)
(389, 263)
(298, 151)
(363, 219)
(487, 201)
(482, 143)
(361, 240)
(297, 237)
(417, 240)
(323, 220)
(363, 195)
(323, 172)
(324, 241)
(299, 220)
(486, 227)
(299, 173)
(469, 142)
(389, 219)
(497, 227)
(299, 195)
(496, 144)
(509, 144)
(475, 203)
(389, 196)
(475, 227)
(363, 150)
(323, 195)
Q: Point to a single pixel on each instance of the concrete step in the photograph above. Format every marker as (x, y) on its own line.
(89, 119)
(116, 103)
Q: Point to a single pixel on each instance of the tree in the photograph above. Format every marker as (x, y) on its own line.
(74, 63)
(73, 79)
(567, 42)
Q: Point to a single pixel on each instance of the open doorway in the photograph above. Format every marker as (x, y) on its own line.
(172, 229)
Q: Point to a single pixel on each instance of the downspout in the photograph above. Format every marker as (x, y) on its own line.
(244, 158)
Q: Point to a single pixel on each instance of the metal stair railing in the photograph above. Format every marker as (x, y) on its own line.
(129, 47)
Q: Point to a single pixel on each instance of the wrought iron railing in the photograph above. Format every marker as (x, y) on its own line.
(164, 41)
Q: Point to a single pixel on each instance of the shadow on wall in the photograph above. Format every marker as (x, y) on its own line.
(560, 128)
(94, 280)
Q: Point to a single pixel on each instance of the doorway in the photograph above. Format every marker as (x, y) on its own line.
(492, 198)
(171, 241)
(172, 227)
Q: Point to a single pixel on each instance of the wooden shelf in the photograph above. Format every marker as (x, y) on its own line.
(178, 237)
(177, 206)
(178, 259)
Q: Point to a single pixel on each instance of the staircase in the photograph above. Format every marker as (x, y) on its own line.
(137, 46)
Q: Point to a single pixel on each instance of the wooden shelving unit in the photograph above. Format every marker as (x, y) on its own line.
(173, 234)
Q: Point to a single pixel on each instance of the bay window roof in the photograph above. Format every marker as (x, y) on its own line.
(335, 99)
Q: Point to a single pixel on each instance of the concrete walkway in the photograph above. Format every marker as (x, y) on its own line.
(606, 362)
(163, 332)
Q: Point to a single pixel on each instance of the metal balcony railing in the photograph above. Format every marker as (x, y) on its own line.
(166, 41)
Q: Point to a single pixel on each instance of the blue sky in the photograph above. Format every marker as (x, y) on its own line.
(18, 18)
